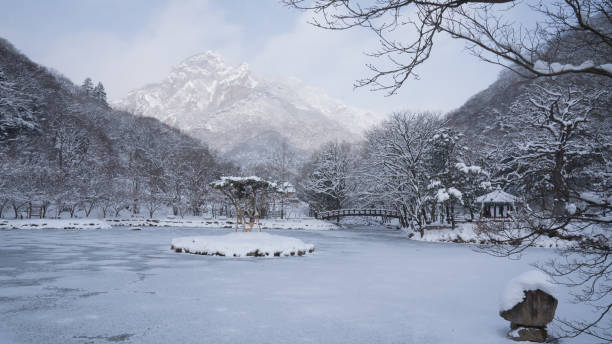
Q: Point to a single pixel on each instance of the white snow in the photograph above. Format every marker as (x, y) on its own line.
(485, 185)
(223, 222)
(433, 184)
(555, 67)
(225, 181)
(242, 244)
(469, 169)
(188, 221)
(530, 280)
(54, 223)
(571, 208)
(442, 195)
(497, 196)
(467, 233)
(455, 193)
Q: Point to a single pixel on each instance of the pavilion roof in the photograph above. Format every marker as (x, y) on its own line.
(497, 196)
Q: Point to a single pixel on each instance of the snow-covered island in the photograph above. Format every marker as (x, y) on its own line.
(242, 244)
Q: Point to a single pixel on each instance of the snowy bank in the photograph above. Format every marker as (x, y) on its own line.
(189, 222)
(467, 233)
(222, 222)
(516, 288)
(54, 224)
(242, 244)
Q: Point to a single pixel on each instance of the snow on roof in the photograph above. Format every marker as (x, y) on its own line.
(227, 180)
(286, 187)
(497, 196)
(530, 280)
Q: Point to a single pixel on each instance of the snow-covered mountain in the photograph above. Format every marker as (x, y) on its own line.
(228, 106)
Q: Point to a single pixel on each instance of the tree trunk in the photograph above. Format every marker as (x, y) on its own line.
(452, 214)
(559, 189)
(89, 208)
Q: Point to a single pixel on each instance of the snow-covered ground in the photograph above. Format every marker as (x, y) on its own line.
(466, 233)
(191, 222)
(54, 223)
(359, 286)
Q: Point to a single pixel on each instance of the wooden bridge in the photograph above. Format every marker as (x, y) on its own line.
(337, 214)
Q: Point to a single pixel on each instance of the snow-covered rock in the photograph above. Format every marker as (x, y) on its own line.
(530, 280)
(243, 244)
(528, 303)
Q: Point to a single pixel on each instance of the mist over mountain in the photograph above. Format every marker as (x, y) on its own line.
(229, 107)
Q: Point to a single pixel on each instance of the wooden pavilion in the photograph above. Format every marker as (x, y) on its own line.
(497, 204)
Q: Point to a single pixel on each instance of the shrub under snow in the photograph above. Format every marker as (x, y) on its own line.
(242, 244)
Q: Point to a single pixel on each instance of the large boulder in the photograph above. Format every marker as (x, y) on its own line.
(536, 310)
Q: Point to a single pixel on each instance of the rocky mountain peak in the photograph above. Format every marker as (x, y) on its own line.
(207, 97)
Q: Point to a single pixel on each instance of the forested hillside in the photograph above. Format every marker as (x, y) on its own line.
(63, 146)
(545, 139)
(537, 135)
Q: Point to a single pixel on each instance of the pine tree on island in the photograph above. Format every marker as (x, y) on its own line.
(248, 195)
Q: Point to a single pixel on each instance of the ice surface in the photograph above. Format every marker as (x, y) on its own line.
(241, 244)
(362, 286)
(530, 280)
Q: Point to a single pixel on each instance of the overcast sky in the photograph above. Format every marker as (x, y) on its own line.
(126, 44)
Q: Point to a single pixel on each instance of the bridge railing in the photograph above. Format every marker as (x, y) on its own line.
(357, 212)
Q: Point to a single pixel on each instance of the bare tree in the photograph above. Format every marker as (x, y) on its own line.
(486, 27)
(330, 186)
(395, 164)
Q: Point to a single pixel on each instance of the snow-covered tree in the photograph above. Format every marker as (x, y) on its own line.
(99, 93)
(247, 195)
(556, 152)
(561, 155)
(87, 86)
(395, 169)
(330, 184)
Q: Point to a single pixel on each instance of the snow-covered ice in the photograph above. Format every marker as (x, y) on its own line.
(242, 244)
(361, 286)
(530, 280)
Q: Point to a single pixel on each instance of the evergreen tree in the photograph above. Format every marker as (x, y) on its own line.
(99, 94)
(87, 86)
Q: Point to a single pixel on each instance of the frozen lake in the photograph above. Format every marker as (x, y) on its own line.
(360, 286)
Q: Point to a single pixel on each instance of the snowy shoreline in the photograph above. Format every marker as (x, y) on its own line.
(465, 233)
(293, 224)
